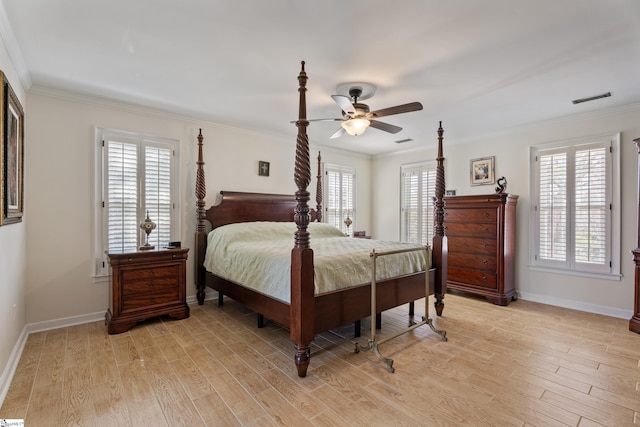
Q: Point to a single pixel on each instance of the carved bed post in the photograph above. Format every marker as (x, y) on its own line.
(302, 286)
(319, 191)
(440, 248)
(201, 230)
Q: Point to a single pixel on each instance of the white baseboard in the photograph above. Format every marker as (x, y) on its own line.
(577, 305)
(12, 365)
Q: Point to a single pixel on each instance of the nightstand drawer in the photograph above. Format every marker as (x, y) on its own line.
(149, 285)
(149, 299)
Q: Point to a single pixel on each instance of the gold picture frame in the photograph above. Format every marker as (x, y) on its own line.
(12, 156)
(482, 171)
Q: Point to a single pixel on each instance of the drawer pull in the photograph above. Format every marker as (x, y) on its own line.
(484, 278)
(485, 262)
(486, 230)
(173, 256)
(130, 259)
(152, 284)
(486, 214)
(486, 245)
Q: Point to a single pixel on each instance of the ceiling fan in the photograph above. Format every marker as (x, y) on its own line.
(356, 117)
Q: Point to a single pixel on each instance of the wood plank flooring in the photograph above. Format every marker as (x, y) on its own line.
(522, 365)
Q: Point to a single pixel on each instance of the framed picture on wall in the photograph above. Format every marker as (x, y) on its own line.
(263, 168)
(482, 171)
(12, 137)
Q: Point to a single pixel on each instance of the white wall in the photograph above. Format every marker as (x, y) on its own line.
(13, 257)
(60, 183)
(511, 151)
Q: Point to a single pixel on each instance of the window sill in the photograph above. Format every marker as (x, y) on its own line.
(601, 276)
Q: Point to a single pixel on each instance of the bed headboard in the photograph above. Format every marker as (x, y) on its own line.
(245, 207)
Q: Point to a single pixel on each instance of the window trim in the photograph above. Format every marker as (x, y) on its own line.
(614, 225)
(101, 267)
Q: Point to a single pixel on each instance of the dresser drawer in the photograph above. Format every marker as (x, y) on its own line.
(472, 277)
(473, 229)
(475, 262)
(471, 215)
(149, 279)
(472, 246)
(149, 299)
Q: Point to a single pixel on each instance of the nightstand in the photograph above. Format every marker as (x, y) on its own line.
(146, 284)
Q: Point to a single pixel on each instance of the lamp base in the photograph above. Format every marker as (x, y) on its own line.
(146, 247)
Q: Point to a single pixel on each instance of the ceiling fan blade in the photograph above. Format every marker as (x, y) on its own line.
(385, 126)
(345, 104)
(319, 120)
(338, 133)
(398, 109)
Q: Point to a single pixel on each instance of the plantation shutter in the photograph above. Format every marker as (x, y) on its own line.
(158, 192)
(553, 206)
(573, 207)
(122, 195)
(137, 168)
(339, 199)
(418, 191)
(591, 205)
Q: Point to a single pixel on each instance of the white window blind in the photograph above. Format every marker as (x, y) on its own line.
(417, 193)
(339, 196)
(575, 195)
(137, 175)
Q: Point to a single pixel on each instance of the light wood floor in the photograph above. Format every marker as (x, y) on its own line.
(525, 364)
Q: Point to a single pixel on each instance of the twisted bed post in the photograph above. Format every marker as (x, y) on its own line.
(302, 285)
(440, 249)
(319, 191)
(201, 229)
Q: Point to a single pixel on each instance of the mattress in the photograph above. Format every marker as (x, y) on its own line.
(257, 255)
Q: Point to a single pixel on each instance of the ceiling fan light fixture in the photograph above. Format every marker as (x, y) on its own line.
(355, 127)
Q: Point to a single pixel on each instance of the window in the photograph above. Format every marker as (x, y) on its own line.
(136, 176)
(576, 206)
(339, 196)
(418, 188)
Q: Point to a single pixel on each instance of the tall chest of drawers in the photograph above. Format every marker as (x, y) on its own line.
(481, 234)
(146, 284)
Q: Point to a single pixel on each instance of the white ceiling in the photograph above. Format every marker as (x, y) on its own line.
(479, 66)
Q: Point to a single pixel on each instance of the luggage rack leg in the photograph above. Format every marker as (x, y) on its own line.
(373, 343)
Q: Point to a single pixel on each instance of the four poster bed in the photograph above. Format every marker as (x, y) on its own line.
(319, 298)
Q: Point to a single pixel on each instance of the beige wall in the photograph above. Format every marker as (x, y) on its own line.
(511, 151)
(13, 255)
(61, 200)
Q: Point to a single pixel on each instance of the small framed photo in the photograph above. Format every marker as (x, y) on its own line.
(263, 168)
(450, 193)
(482, 171)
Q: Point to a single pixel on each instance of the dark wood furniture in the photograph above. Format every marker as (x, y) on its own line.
(481, 235)
(634, 322)
(307, 315)
(146, 284)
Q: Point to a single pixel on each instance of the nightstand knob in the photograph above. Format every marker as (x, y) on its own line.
(152, 284)
(484, 261)
(484, 278)
(174, 255)
(130, 259)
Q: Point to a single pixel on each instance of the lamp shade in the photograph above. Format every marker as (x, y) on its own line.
(355, 127)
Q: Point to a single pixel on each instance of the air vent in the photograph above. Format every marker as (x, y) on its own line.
(402, 141)
(592, 98)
